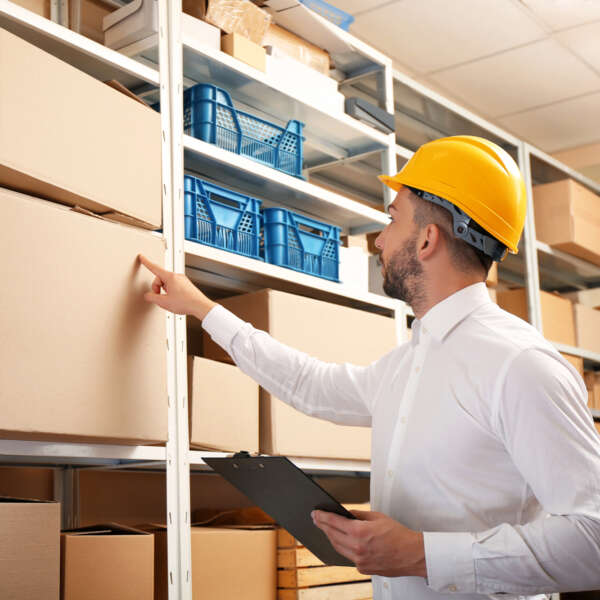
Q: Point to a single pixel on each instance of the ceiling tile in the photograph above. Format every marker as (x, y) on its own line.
(519, 79)
(584, 41)
(561, 14)
(435, 34)
(562, 125)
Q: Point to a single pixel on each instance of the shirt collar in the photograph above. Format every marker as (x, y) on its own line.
(445, 315)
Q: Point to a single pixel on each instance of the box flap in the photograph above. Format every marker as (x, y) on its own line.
(243, 518)
(11, 500)
(106, 529)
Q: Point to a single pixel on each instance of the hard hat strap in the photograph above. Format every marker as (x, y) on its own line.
(466, 228)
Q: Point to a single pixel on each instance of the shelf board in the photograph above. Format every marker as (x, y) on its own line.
(219, 269)
(26, 452)
(196, 457)
(333, 133)
(572, 269)
(585, 354)
(81, 52)
(256, 179)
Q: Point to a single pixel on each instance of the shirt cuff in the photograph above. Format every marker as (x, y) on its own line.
(449, 560)
(222, 326)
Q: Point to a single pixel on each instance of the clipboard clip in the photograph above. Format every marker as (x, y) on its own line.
(242, 454)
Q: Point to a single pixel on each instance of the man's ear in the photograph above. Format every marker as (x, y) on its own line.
(428, 242)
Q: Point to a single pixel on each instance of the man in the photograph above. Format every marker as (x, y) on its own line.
(485, 462)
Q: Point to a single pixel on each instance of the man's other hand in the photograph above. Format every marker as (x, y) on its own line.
(175, 292)
(375, 543)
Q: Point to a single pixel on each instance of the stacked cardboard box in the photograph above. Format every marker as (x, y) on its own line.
(107, 561)
(29, 549)
(83, 354)
(566, 218)
(587, 327)
(327, 331)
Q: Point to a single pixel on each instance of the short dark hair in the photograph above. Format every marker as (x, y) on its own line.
(464, 256)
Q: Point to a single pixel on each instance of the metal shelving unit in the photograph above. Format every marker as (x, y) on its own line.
(341, 153)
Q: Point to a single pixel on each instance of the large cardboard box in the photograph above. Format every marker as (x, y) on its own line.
(557, 313)
(83, 354)
(227, 563)
(567, 217)
(27, 482)
(327, 331)
(29, 549)
(587, 327)
(75, 140)
(223, 407)
(107, 561)
(243, 49)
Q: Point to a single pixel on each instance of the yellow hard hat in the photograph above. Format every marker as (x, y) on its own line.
(475, 175)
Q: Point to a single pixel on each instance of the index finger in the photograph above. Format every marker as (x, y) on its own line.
(338, 522)
(152, 267)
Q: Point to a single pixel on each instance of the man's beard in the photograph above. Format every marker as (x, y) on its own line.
(403, 275)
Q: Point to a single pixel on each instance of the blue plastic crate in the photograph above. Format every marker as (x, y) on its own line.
(221, 218)
(301, 243)
(331, 13)
(209, 115)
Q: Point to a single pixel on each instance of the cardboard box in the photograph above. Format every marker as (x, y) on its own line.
(492, 278)
(557, 313)
(40, 7)
(327, 331)
(597, 425)
(223, 407)
(239, 16)
(86, 16)
(587, 327)
(226, 563)
(74, 139)
(27, 482)
(29, 549)
(567, 217)
(243, 49)
(133, 497)
(83, 354)
(107, 561)
(592, 383)
(576, 361)
(589, 298)
(297, 48)
(194, 8)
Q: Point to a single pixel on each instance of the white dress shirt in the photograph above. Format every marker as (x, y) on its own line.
(481, 439)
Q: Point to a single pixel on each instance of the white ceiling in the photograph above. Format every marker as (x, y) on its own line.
(530, 66)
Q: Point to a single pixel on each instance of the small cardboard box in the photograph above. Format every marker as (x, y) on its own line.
(327, 331)
(226, 562)
(107, 561)
(576, 361)
(75, 140)
(297, 48)
(567, 217)
(83, 354)
(86, 17)
(223, 407)
(29, 549)
(557, 313)
(243, 49)
(239, 16)
(587, 327)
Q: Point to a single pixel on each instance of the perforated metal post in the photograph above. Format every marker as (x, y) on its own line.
(532, 276)
(179, 579)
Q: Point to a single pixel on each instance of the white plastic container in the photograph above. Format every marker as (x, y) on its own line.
(139, 19)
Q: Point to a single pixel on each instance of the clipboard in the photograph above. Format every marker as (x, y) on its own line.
(287, 494)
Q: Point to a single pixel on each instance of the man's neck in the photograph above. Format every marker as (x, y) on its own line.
(438, 289)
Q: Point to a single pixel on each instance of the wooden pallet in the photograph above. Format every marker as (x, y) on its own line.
(313, 576)
(346, 591)
(292, 558)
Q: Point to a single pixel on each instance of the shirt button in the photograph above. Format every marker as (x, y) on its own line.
(403, 420)
(390, 473)
(452, 588)
(417, 369)
(386, 585)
